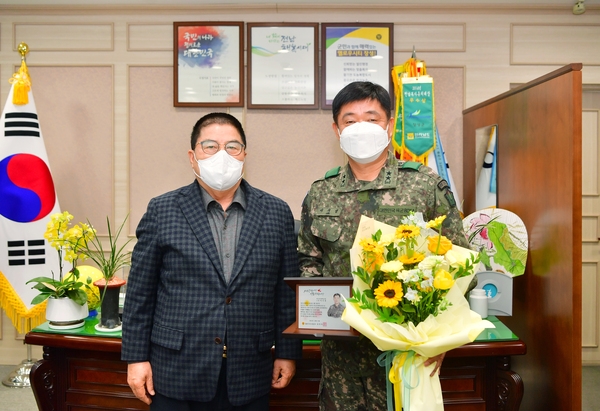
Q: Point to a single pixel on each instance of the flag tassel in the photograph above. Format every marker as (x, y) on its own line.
(22, 85)
(16, 310)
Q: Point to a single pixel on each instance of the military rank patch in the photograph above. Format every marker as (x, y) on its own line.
(343, 180)
(388, 177)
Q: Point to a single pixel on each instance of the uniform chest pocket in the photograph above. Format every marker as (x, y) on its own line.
(326, 224)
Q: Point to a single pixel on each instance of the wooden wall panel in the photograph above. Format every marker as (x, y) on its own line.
(75, 109)
(426, 37)
(65, 37)
(554, 44)
(589, 299)
(149, 37)
(159, 138)
(539, 179)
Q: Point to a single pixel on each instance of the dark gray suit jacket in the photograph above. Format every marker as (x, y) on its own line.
(178, 307)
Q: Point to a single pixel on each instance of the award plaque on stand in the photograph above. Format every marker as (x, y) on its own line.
(319, 306)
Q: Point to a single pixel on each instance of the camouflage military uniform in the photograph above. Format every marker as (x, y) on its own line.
(351, 379)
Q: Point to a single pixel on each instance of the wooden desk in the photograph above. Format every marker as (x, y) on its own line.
(79, 372)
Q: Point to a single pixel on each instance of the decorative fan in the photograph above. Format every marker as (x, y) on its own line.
(501, 238)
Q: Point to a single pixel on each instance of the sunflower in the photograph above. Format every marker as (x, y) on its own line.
(368, 244)
(372, 254)
(436, 222)
(407, 231)
(414, 259)
(389, 293)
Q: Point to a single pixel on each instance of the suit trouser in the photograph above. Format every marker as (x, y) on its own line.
(219, 403)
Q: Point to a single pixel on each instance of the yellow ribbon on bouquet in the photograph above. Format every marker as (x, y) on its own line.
(399, 365)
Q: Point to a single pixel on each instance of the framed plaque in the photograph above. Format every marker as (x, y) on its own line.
(208, 64)
(319, 306)
(355, 52)
(282, 65)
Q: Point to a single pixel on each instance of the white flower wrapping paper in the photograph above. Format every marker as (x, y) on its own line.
(452, 328)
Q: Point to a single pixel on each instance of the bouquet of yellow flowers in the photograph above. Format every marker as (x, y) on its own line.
(408, 299)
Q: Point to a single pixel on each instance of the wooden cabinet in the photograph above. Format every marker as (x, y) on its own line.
(83, 373)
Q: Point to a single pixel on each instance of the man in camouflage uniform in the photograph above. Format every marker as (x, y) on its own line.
(385, 189)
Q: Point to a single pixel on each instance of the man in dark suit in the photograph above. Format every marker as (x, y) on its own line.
(206, 299)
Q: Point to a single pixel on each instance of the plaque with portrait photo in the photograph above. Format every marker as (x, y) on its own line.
(320, 302)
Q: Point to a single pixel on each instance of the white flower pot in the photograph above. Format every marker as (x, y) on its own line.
(65, 314)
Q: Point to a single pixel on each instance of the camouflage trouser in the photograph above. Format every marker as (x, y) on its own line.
(351, 379)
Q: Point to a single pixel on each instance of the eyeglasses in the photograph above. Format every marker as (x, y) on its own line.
(210, 147)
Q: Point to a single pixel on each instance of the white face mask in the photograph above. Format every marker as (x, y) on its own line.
(220, 171)
(364, 141)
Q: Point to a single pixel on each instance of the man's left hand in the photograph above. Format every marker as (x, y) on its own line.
(283, 371)
(438, 363)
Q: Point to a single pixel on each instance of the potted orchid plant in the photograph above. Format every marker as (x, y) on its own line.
(65, 293)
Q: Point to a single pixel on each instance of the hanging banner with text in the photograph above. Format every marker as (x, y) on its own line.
(418, 116)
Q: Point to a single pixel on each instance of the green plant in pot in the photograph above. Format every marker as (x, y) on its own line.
(66, 295)
(110, 260)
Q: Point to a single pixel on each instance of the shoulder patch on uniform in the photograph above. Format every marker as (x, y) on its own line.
(414, 165)
(450, 198)
(442, 185)
(333, 172)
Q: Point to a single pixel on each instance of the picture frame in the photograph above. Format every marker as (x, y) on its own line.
(355, 52)
(208, 64)
(282, 63)
(314, 301)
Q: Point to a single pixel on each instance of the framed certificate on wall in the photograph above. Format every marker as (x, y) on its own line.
(282, 65)
(355, 52)
(208, 64)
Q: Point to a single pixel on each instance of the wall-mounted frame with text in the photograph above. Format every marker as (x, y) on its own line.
(282, 65)
(208, 64)
(355, 52)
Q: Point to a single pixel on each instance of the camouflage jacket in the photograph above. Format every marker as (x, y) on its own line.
(332, 208)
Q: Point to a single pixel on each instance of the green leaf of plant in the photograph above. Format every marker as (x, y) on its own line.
(378, 278)
(79, 296)
(408, 308)
(40, 279)
(377, 235)
(40, 298)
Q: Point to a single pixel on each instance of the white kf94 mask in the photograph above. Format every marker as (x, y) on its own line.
(220, 171)
(364, 141)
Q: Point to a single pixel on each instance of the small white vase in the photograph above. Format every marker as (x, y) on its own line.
(64, 313)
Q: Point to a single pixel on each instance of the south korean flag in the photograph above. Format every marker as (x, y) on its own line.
(27, 200)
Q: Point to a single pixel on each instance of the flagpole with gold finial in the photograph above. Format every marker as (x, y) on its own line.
(21, 79)
(19, 377)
